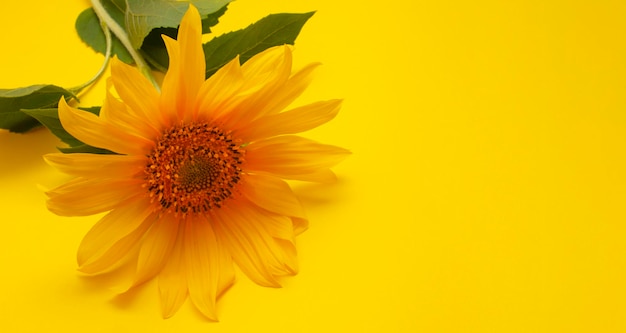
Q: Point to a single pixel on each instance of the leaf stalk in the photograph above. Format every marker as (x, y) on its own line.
(109, 45)
(119, 32)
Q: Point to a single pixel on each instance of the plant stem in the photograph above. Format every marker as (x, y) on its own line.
(119, 32)
(109, 44)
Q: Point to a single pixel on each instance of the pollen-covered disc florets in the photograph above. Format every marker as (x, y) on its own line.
(193, 168)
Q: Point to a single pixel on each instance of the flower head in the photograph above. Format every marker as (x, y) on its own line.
(198, 181)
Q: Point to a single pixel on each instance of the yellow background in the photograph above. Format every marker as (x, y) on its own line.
(485, 192)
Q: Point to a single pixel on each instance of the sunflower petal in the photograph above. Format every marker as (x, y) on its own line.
(218, 91)
(278, 226)
(109, 240)
(294, 157)
(156, 248)
(269, 67)
(172, 279)
(299, 225)
(202, 265)
(251, 246)
(273, 194)
(290, 122)
(292, 89)
(88, 196)
(138, 94)
(94, 131)
(114, 111)
(281, 228)
(186, 71)
(290, 255)
(97, 165)
(263, 75)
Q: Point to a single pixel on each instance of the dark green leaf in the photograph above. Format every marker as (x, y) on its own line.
(212, 19)
(84, 149)
(33, 97)
(153, 49)
(50, 118)
(90, 32)
(273, 30)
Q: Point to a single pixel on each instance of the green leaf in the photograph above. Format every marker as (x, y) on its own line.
(272, 30)
(152, 46)
(89, 30)
(84, 149)
(153, 49)
(32, 97)
(49, 117)
(142, 16)
(212, 19)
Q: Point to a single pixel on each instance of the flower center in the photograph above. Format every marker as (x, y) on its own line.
(193, 168)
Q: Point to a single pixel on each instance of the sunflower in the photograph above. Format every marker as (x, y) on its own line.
(197, 183)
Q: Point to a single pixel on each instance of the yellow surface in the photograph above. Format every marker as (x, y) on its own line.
(485, 194)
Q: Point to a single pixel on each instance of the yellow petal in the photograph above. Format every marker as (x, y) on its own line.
(114, 111)
(268, 66)
(278, 226)
(264, 74)
(97, 132)
(138, 94)
(250, 245)
(186, 70)
(173, 279)
(202, 265)
(281, 228)
(217, 93)
(113, 236)
(290, 90)
(98, 165)
(299, 225)
(156, 248)
(293, 157)
(81, 196)
(294, 121)
(272, 194)
(290, 255)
